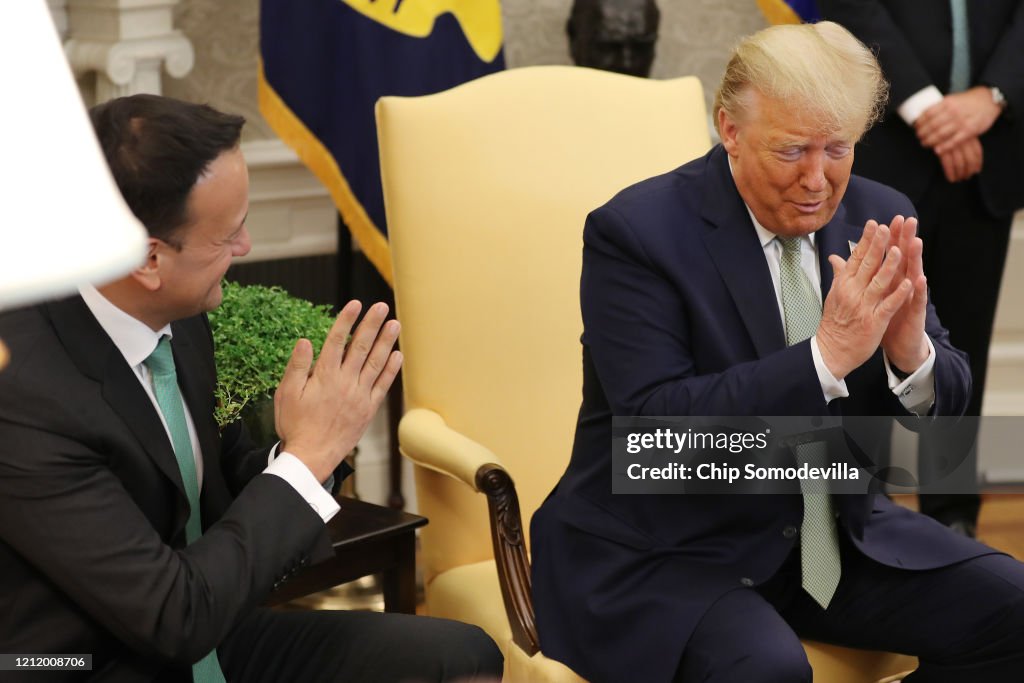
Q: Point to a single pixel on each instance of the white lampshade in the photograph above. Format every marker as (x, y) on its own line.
(64, 221)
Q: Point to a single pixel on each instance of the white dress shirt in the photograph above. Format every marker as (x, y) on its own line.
(915, 105)
(136, 341)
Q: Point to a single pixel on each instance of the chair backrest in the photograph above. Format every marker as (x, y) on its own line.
(486, 188)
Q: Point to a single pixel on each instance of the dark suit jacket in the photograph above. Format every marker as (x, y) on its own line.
(680, 318)
(92, 508)
(913, 40)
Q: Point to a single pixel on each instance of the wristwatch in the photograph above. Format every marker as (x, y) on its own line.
(998, 98)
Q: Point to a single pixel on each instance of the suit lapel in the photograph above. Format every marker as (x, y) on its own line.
(96, 356)
(834, 238)
(739, 258)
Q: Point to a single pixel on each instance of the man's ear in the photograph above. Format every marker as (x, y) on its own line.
(148, 274)
(728, 130)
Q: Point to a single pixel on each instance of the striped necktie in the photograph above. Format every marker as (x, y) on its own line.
(960, 69)
(165, 386)
(819, 539)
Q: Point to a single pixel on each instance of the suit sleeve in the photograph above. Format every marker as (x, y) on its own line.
(1005, 66)
(65, 511)
(640, 332)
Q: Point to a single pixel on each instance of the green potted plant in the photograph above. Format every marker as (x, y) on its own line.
(254, 331)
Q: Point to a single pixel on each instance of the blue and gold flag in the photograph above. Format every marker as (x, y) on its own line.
(789, 11)
(326, 62)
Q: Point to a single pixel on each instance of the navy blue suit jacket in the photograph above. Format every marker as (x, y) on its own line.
(680, 318)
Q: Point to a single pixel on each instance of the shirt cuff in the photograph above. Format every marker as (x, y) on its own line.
(831, 387)
(291, 469)
(327, 485)
(917, 391)
(916, 104)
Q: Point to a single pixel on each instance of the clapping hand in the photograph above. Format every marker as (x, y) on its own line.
(321, 413)
(868, 290)
(904, 341)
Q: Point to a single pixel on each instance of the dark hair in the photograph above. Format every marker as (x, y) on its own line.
(157, 147)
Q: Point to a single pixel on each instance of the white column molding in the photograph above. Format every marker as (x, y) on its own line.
(59, 11)
(127, 44)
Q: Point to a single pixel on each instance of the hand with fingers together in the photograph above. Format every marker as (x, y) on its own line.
(904, 341)
(867, 291)
(957, 118)
(962, 161)
(320, 414)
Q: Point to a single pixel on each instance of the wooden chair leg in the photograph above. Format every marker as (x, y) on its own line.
(399, 582)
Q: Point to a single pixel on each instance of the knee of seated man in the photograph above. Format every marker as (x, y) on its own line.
(463, 651)
(759, 660)
(779, 664)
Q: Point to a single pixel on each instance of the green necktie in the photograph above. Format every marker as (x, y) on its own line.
(168, 397)
(960, 69)
(819, 540)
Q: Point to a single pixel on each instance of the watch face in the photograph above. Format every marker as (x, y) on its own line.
(997, 96)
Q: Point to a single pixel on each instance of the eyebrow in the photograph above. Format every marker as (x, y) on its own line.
(241, 225)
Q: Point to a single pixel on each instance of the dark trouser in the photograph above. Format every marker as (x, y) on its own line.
(964, 254)
(357, 647)
(964, 622)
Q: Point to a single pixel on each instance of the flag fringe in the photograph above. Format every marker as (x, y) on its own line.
(321, 162)
(778, 12)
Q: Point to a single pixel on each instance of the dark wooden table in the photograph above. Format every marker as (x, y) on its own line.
(367, 539)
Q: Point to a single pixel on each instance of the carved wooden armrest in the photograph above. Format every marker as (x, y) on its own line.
(430, 443)
(510, 553)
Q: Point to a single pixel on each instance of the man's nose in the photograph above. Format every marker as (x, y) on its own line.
(243, 245)
(812, 174)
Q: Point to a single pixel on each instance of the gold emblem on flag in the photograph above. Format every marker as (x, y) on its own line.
(480, 19)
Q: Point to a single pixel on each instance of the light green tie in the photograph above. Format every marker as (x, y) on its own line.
(168, 397)
(819, 540)
(960, 69)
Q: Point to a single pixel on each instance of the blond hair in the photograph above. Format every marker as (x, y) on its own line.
(818, 69)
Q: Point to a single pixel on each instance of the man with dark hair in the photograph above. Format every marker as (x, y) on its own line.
(132, 529)
(156, 148)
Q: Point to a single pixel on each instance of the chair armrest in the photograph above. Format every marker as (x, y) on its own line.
(510, 554)
(425, 439)
(429, 442)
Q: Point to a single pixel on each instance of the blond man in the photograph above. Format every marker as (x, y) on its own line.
(728, 288)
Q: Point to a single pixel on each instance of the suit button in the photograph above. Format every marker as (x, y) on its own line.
(789, 532)
(748, 582)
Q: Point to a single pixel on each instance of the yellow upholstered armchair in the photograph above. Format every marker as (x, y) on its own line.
(486, 188)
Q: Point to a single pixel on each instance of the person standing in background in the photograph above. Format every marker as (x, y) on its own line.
(952, 140)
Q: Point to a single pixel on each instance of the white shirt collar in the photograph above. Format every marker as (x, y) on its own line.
(132, 337)
(763, 233)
